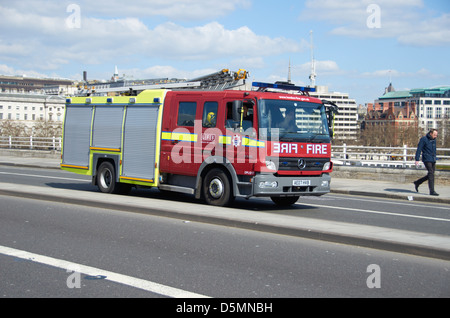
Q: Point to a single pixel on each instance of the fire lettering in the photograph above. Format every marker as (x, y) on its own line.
(317, 149)
(285, 148)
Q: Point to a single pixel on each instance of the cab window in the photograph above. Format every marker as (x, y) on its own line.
(210, 114)
(247, 119)
(186, 113)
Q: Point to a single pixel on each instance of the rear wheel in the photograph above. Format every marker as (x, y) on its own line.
(284, 201)
(106, 178)
(217, 188)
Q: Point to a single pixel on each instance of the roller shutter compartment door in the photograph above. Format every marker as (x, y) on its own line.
(139, 146)
(107, 128)
(77, 134)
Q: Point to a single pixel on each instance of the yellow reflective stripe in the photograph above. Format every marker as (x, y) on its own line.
(261, 144)
(166, 136)
(248, 142)
(225, 140)
(179, 136)
(137, 179)
(184, 137)
(74, 167)
(105, 149)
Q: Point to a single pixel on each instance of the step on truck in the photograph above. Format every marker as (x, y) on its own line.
(214, 144)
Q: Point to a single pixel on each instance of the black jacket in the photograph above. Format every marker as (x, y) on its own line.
(426, 147)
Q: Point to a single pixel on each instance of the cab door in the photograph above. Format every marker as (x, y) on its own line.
(211, 131)
(179, 134)
(242, 143)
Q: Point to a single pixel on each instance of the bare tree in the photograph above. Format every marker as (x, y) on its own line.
(43, 128)
(39, 128)
(13, 128)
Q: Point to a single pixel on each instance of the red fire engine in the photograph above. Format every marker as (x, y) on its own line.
(214, 144)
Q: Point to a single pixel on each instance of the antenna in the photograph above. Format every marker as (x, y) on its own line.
(116, 74)
(313, 75)
(289, 72)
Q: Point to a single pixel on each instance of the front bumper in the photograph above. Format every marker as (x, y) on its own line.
(269, 185)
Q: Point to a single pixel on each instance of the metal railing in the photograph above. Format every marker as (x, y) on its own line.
(31, 143)
(392, 157)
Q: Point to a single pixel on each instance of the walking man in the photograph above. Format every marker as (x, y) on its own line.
(427, 148)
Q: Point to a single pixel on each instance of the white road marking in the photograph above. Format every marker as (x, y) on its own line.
(96, 272)
(348, 197)
(38, 176)
(378, 212)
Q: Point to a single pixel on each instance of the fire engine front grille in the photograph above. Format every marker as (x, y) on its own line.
(301, 164)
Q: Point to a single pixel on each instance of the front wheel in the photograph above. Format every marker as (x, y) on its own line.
(217, 188)
(284, 201)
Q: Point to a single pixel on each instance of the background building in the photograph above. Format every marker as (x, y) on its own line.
(346, 121)
(431, 105)
(22, 85)
(31, 107)
(400, 117)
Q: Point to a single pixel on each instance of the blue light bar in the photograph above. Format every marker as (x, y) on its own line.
(284, 87)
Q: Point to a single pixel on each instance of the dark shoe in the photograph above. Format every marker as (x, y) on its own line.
(416, 186)
(434, 193)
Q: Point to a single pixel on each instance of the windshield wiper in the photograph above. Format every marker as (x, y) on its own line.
(322, 140)
(284, 138)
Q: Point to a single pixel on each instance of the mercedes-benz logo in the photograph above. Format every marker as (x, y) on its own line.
(301, 164)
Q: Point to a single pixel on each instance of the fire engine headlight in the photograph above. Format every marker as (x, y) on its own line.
(271, 165)
(325, 184)
(268, 184)
(326, 166)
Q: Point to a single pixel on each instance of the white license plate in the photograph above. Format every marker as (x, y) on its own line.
(301, 183)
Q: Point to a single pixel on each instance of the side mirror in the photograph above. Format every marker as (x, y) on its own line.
(331, 109)
(237, 109)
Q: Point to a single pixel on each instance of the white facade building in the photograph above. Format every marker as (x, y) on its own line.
(433, 106)
(31, 107)
(346, 121)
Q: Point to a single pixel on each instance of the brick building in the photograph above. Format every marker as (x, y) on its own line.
(431, 107)
(393, 114)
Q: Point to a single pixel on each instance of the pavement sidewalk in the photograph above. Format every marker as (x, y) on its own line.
(386, 189)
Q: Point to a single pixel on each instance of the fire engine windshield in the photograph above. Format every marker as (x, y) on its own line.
(291, 120)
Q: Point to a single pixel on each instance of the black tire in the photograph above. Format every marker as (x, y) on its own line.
(106, 178)
(217, 188)
(284, 201)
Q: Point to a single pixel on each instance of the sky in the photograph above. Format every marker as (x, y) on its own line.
(359, 46)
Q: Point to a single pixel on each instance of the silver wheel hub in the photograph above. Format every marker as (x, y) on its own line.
(216, 188)
(105, 179)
